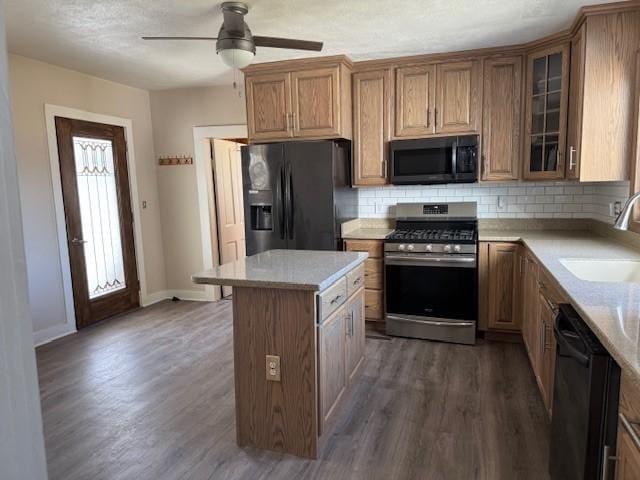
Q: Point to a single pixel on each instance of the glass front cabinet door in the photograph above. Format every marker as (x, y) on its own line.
(546, 113)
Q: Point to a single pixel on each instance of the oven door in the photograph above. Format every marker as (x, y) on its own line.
(431, 296)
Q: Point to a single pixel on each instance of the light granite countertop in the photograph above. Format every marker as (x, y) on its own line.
(611, 309)
(287, 269)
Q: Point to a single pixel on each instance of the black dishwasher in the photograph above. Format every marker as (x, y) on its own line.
(585, 403)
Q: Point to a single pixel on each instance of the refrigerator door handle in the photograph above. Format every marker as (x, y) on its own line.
(280, 204)
(290, 204)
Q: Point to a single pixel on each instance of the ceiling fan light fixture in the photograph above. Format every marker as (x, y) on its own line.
(236, 57)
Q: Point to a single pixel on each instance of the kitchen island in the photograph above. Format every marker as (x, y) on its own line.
(298, 341)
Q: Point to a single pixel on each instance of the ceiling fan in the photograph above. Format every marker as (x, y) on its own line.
(235, 43)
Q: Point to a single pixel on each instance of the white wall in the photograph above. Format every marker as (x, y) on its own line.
(35, 84)
(520, 200)
(174, 114)
(21, 441)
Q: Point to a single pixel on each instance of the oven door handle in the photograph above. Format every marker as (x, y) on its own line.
(463, 262)
(431, 322)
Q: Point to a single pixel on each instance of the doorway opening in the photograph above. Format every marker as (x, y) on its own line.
(99, 220)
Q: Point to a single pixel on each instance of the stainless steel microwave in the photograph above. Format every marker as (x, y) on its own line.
(434, 160)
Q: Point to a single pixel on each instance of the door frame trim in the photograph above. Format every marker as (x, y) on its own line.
(52, 111)
(202, 136)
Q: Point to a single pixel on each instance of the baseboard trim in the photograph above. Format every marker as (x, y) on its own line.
(154, 297)
(193, 295)
(57, 331)
(52, 333)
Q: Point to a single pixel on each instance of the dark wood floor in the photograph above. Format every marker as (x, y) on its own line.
(150, 396)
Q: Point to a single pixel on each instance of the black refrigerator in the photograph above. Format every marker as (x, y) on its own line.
(296, 194)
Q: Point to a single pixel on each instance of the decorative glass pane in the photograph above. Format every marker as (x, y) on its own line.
(554, 76)
(539, 75)
(537, 117)
(536, 153)
(550, 152)
(98, 197)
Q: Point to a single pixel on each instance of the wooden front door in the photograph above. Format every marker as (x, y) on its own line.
(97, 206)
(227, 178)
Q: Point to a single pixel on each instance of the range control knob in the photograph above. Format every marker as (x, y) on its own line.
(410, 247)
(447, 248)
(457, 248)
(429, 247)
(402, 246)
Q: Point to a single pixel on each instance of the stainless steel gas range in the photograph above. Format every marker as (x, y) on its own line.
(430, 264)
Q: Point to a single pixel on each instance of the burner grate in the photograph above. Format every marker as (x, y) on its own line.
(433, 234)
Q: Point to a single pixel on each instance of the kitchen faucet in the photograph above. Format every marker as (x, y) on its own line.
(623, 220)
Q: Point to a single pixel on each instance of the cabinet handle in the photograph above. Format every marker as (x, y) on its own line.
(337, 297)
(428, 117)
(293, 120)
(286, 121)
(572, 163)
(357, 281)
(435, 117)
(628, 426)
(351, 316)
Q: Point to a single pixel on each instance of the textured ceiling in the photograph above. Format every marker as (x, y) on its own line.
(102, 38)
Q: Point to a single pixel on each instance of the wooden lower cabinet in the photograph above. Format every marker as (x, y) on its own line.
(373, 277)
(354, 348)
(341, 342)
(628, 467)
(628, 449)
(501, 293)
(516, 293)
(331, 349)
(547, 355)
(529, 307)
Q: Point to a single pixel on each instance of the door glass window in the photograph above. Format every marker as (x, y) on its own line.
(98, 199)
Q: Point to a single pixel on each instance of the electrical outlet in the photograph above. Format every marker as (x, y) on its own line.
(502, 203)
(617, 208)
(273, 368)
(614, 209)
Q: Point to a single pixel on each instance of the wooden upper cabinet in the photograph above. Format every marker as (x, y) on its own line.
(546, 113)
(315, 102)
(268, 106)
(457, 97)
(299, 99)
(576, 85)
(600, 134)
(415, 101)
(502, 117)
(371, 126)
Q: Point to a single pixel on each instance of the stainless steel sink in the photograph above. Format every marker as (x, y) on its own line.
(603, 270)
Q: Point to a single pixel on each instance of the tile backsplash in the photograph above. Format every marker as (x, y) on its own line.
(504, 200)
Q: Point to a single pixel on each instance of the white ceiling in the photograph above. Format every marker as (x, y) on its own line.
(102, 38)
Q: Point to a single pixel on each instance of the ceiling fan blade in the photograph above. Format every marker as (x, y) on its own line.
(275, 42)
(179, 38)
